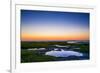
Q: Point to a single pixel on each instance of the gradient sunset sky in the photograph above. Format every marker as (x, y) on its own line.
(54, 26)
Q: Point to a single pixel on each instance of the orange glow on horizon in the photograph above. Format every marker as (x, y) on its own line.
(29, 37)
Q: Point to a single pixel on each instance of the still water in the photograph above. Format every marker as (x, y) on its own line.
(63, 53)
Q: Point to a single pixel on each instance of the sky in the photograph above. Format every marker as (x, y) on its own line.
(54, 26)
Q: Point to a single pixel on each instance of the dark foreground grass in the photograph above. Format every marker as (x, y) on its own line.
(35, 56)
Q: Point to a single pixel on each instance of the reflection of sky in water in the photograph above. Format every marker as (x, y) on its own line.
(63, 53)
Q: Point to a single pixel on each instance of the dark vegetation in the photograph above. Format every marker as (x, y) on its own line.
(26, 45)
(35, 56)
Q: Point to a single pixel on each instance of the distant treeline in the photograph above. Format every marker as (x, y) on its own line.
(26, 45)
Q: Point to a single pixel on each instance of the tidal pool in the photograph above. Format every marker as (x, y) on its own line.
(63, 53)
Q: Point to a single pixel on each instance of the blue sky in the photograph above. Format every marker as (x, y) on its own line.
(52, 23)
